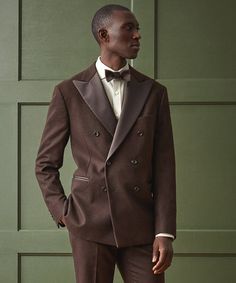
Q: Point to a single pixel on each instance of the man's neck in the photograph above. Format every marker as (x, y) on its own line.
(115, 63)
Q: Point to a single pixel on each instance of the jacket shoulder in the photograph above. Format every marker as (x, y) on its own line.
(84, 75)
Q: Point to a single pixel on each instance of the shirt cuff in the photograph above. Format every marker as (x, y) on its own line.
(165, 235)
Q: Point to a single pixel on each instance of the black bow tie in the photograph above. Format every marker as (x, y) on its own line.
(123, 75)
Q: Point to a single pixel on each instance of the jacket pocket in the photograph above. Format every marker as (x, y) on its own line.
(81, 178)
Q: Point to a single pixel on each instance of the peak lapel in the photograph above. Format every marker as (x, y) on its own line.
(94, 95)
(134, 100)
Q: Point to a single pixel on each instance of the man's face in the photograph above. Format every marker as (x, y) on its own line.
(123, 35)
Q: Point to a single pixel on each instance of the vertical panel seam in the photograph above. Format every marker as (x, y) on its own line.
(19, 40)
(18, 166)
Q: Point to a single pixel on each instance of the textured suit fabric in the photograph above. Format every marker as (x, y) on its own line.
(123, 190)
(95, 262)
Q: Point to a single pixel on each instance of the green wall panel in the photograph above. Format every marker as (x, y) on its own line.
(33, 213)
(49, 268)
(8, 267)
(56, 37)
(205, 139)
(8, 40)
(201, 90)
(46, 268)
(196, 39)
(145, 12)
(57, 43)
(190, 46)
(8, 166)
(201, 177)
(203, 268)
(181, 91)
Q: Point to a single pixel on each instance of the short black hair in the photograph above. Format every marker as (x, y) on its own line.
(103, 17)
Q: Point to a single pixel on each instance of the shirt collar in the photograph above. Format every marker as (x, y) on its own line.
(102, 67)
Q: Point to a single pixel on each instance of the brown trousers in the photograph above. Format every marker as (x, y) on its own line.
(95, 263)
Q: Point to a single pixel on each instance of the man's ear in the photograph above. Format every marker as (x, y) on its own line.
(103, 35)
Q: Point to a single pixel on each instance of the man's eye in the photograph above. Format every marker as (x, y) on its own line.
(132, 28)
(129, 28)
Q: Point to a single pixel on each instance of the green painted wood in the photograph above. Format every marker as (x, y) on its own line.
(33, 212)
(8, 267)
(8, 167)
(214, 242)
(9, 40)
(206, 159)
(58, 33)
(200, 268)
(56, 37)
(146, 14)
(196, 39)
(190, 244)
(180, 90)
(201, 90)
(46, 268)
(201, 177)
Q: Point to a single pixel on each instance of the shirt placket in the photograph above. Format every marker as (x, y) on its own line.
(117, 97)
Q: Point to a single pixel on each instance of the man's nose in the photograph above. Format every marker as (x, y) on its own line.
(137, 34)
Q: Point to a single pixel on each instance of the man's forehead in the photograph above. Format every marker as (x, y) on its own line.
(124, 16)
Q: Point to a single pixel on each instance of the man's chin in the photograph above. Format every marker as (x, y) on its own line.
(133, 56)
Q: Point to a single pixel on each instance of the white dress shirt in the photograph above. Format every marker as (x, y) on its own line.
(115, 93)
(114, 88)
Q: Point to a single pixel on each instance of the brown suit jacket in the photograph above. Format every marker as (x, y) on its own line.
(123, 190)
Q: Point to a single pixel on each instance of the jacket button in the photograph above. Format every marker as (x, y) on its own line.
(136, 189)
(134, 161)
(108, 163)
(140, 133)
(96, 133)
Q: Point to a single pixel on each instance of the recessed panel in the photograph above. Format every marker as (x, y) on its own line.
(205, 155)
(8, 40)
(8, 266)
(47, 268)
(56, 37)
(8, 179)
(196, 39)
(33, 212)
(204, 269)
(145, 12)
(50, 268)
(205, 139)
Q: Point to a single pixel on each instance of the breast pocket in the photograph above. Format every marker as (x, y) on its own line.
(81, 178)
(79, 183)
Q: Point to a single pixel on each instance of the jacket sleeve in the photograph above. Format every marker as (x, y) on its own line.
(164, 172)
(50, 155)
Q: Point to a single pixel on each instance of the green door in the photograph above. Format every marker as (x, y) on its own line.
(190, 47)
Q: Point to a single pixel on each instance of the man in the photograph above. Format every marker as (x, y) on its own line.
(121, 209)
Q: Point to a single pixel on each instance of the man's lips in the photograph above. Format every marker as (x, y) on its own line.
(135, 45)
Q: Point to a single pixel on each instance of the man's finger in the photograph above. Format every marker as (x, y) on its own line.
(161, 260)
(163, 264)
(155, 253)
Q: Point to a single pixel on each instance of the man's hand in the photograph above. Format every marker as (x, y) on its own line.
(162, 254)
